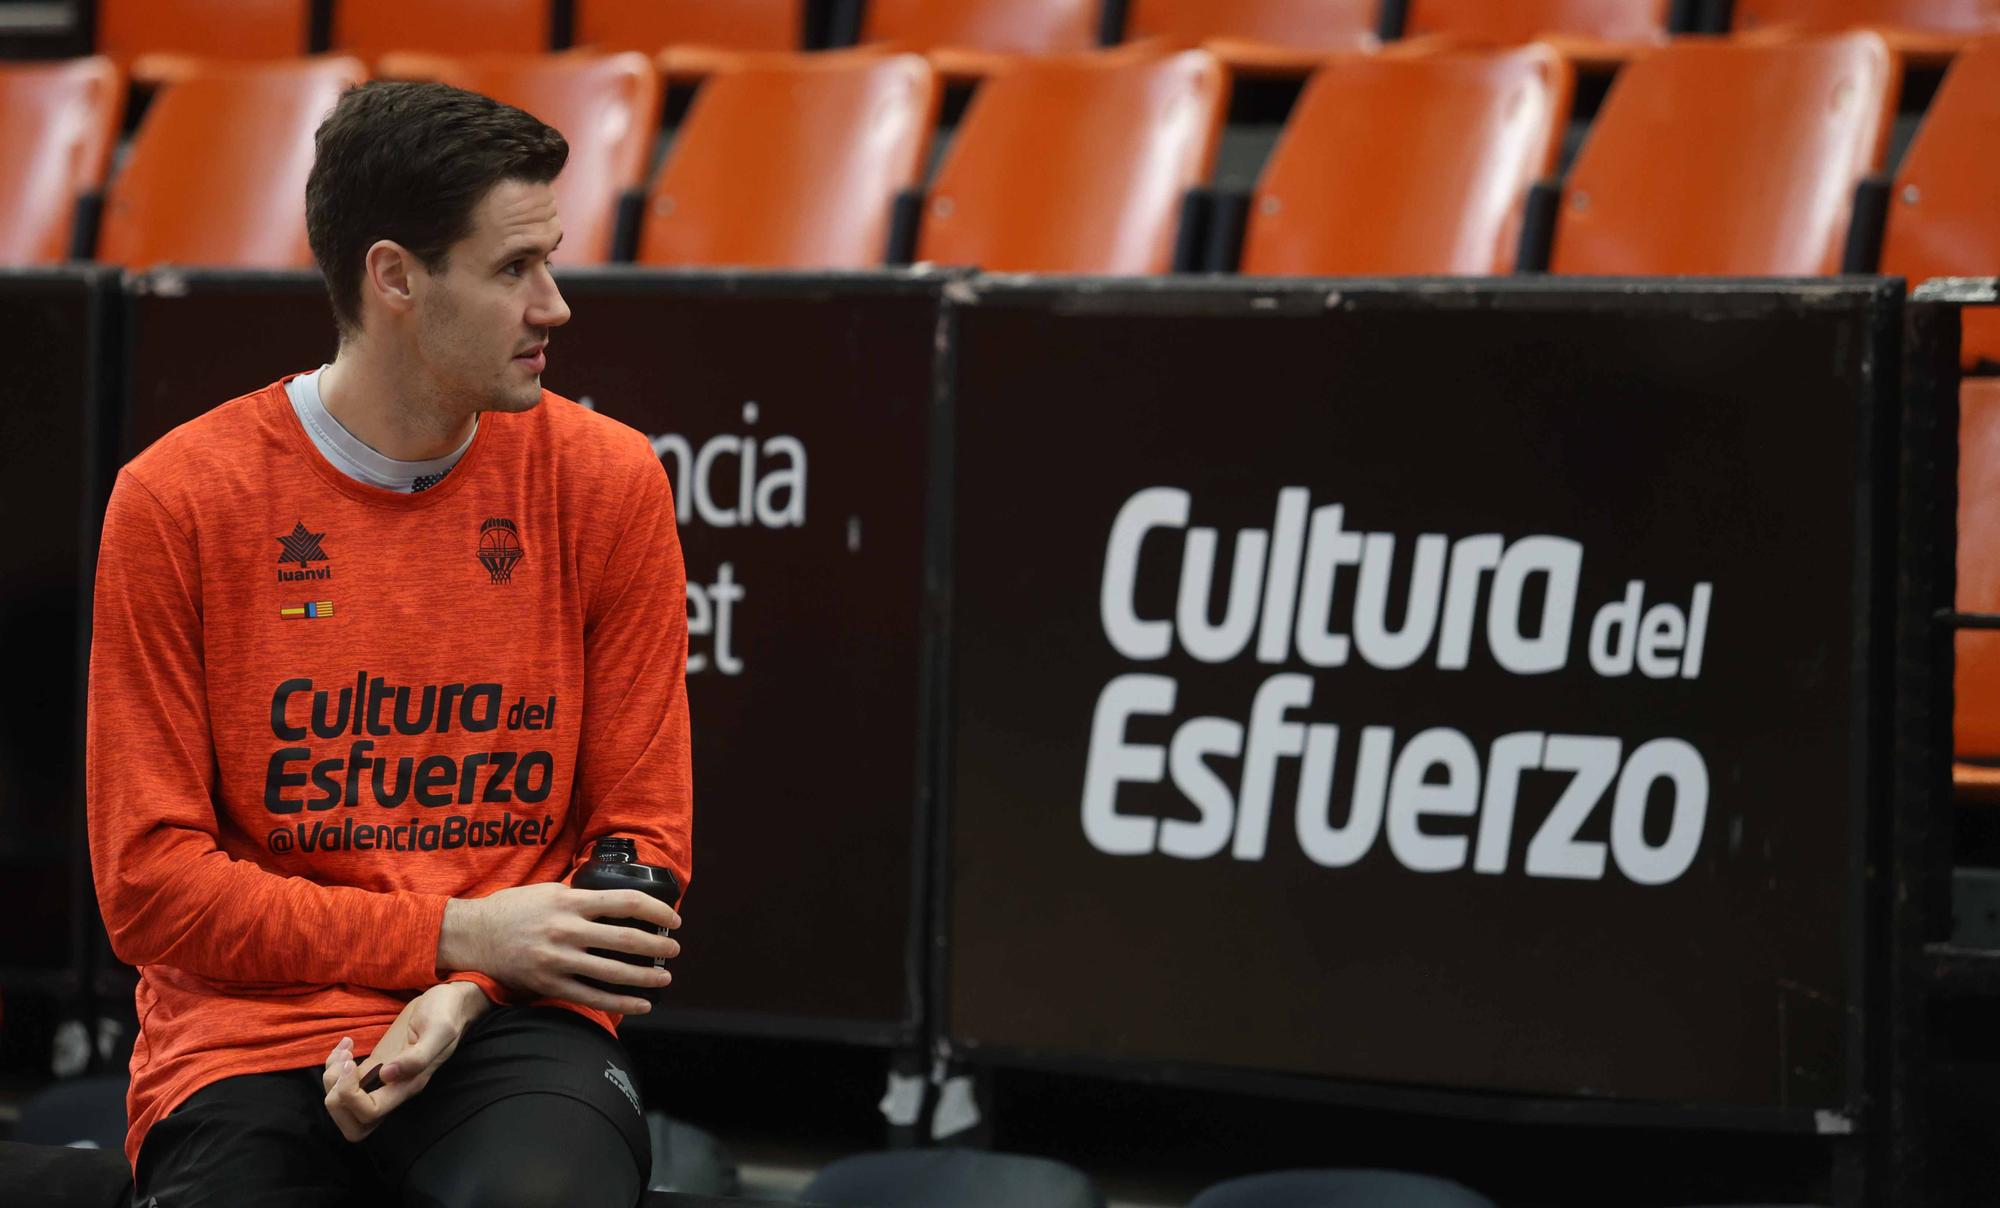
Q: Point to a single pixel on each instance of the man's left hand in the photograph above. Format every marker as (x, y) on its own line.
(423, 1037)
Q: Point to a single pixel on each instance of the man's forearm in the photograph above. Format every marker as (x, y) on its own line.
(461, 938)
(185, 905)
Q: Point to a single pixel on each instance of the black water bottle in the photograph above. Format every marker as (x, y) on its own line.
(614, 864)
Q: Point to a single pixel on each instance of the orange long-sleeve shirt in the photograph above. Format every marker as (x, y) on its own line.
(318, 709)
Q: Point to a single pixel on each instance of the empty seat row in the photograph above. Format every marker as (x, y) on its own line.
(1084, 163)
(156, 37)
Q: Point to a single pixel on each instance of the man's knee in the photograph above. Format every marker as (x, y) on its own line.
(529, 1151)
(547, 1182)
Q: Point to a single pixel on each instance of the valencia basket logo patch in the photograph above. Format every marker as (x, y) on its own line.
(499, 548)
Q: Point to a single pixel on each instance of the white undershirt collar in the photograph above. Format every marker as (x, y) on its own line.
(352, 456)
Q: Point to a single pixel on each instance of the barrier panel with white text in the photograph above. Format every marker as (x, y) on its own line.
(1435, 687)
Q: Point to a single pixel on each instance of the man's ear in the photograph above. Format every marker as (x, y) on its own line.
(388, 275)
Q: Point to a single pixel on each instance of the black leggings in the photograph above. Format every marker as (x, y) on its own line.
(535, 1108)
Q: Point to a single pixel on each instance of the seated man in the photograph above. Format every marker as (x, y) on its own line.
(380, 651)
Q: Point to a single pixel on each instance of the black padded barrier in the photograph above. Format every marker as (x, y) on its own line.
(53, 400)
(1460, 696)
(1941, 980)
(793, 416)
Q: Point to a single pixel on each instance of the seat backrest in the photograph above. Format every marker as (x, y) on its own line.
(217, 174)
(75, 1175)
(372, 28)
(1339, 1189)
(209, 29)
(1077, 164)
(1022, 26)
(58, 122)
(926, 1178)
(1409, 165)
(1942, 16)
(650, 25)
(90, 1110)
(1729, 159)
(1302, 23)
(1504, 22)
(793, 162)
(1976, 719)
(607, 107)
(1944, 213)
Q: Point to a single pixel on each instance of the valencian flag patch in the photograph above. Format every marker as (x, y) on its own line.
(307, 611)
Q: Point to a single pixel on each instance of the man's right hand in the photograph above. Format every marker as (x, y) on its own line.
(534, 938)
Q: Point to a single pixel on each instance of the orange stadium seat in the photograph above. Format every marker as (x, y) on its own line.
(1259, 37)
(692, 37)
(373, 28)
(1403, 166)
(1724, 159)
(1976, 717)
(793, 162)
(58, 122)
(1593, 32)
(1077, 164)
(1522, 20)
(158, 40)
(1944, 210)
(971, 38)
(217, 174)
(607, 106)
(1923, 30)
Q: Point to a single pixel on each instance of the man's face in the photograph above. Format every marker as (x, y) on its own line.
(486, 317)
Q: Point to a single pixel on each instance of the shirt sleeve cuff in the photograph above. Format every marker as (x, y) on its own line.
(415, 919)
(495, 993)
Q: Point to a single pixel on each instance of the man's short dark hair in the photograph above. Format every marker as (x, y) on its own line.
(409, 162)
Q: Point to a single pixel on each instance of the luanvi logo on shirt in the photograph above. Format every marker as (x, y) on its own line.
(303, 548)
(499, 548)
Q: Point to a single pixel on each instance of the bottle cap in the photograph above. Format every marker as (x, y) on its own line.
(616, 848)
